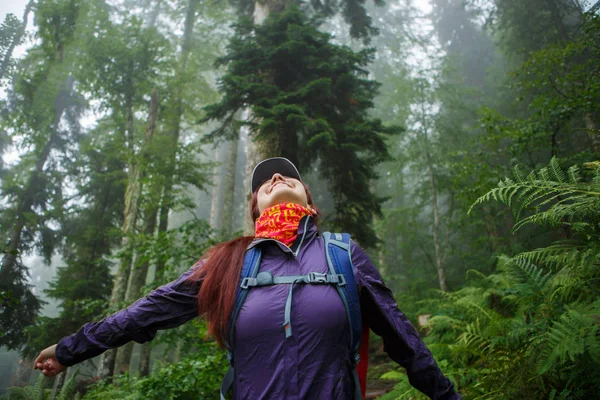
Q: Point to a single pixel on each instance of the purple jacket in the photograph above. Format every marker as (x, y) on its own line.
(313, 363)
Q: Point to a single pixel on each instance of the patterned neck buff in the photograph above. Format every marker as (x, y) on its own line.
(280, 222)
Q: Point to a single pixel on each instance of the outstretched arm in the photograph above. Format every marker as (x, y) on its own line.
(400, 339)
(166, 307)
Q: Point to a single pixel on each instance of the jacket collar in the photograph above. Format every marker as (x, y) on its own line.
(307, 229)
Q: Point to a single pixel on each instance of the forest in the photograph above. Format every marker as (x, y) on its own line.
(457, 141)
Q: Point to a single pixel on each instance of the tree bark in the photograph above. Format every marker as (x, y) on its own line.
(216, 204)
(255, 153)
(106, 367)
(15, 41)
(436, 231)
(253, 157)
(137, 276)
(175, 122)
(59, 382)
(229, 188)
(439, 258)
(145, 354)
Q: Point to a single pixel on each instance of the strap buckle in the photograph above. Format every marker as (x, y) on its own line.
(317, 277)
(341, 280)
(247, 282)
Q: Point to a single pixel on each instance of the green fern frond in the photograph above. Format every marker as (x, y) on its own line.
(573, 334)
(69, 388)
(19, 393)
(556, 255)
(531, 272)
(564, 195)
(475, 339)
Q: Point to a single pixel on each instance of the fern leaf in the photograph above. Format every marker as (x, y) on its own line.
(68, 390)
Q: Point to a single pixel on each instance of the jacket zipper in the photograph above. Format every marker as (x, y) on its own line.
(288, 249)
(301, 240)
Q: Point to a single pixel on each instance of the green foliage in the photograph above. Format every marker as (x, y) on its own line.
(40, 391)
(354, 12)
(10, 37)
(554, 195)
(197, 376)
(69, 390)
(42, 116)
(530, 330)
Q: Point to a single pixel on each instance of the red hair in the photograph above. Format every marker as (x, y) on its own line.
(220, 271)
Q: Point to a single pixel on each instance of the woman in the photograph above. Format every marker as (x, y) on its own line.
(271, 362)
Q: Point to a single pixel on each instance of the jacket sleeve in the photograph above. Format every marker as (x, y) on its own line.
(400, 339)
(168, 306)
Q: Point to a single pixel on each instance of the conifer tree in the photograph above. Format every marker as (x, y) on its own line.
(43, 110)
(310, 102)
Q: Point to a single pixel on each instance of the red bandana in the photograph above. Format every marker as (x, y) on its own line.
(281, 222)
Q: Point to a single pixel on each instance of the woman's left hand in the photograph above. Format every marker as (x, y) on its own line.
(46, 362)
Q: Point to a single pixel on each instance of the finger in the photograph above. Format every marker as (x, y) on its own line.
(39, 359)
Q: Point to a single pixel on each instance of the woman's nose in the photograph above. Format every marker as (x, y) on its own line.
(277, 177)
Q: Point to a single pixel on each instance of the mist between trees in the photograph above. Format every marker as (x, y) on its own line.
(458, 141)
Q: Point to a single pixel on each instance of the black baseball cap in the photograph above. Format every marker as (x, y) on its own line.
(265, 169)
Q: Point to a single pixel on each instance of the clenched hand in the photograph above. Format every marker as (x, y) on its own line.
(47, 362)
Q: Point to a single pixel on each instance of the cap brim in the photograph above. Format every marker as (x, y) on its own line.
(264, 170)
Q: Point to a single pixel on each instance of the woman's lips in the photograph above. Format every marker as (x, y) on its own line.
(277, 183)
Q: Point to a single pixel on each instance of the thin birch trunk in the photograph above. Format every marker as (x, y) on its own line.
(216, 204)
(436, 230)
(145, 354)
(106, 368)
(59, 382)
(439, 258)
(175, 121)
(175, 129)
(229, 188)
(252, 158)
(137, 276)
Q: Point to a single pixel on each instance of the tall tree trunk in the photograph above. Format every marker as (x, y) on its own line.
(175, 121)
(59, 382)
(229, 188)
(15, 40)
(253, 157)
(255, 153)
(175, 129)
(216, 203)
(106, 367)
(137, 277)
(145, 354)
(436, 230)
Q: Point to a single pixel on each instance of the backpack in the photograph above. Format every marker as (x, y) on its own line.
(341, 274)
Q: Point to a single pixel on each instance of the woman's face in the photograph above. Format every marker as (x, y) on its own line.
(279, 190)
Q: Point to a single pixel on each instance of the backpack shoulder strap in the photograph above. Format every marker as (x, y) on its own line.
(339, 260)
(250, 269)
